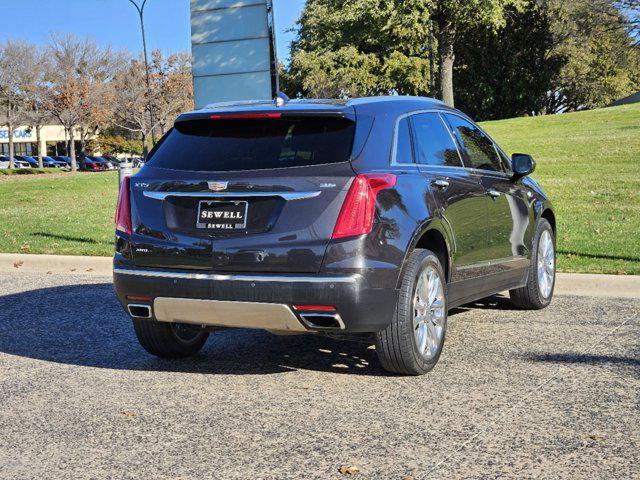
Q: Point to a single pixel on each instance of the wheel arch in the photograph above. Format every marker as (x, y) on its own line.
(549, 216)
(432, 236)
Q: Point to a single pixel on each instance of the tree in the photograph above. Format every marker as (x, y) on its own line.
(368, 47)
(384, 45)
(450, 18)
(507, 72)
(170, 87)
(79, 76)
(17, 64)
(36, 91)
(602, 60)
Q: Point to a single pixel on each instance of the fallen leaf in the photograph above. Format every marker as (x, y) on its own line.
(349, 471)
(18, 263)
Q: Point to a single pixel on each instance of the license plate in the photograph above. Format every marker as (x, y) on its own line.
(219, 216)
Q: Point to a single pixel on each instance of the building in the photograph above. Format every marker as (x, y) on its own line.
(52, 140)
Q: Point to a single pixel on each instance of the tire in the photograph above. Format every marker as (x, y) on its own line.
(169, 340)
(398, 346)
(536, 294)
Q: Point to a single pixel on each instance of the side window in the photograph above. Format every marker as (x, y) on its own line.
(478, 149)
(434, 145)
(404, 152)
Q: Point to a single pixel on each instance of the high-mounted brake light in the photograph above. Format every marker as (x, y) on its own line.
(123, 211)
(358, 209)
(245, 116)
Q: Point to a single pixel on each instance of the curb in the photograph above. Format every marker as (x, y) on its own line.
(578, 284)
(22, 262)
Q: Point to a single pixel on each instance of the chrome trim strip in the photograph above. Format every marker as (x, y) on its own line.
(286, 195)
(222, 313)
(492, 263)
(235, 278)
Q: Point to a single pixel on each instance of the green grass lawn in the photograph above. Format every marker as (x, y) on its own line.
(588, 163)
(64, 215)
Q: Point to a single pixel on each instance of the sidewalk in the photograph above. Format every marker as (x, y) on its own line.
(581, 284)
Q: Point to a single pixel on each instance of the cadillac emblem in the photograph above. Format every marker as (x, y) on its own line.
(217, 186)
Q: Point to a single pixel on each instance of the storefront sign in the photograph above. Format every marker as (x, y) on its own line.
(24, 133)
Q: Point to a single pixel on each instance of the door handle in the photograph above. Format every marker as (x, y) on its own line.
(441, 184)
(493, 194)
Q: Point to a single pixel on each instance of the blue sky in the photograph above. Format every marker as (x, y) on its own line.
(116, 22)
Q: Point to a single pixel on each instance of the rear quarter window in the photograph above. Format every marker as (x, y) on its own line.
(254, 144)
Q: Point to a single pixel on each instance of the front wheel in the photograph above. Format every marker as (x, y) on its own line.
(412, 343)
(538, 291)
(169, 340)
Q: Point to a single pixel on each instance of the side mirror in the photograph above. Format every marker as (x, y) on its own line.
(522, 165)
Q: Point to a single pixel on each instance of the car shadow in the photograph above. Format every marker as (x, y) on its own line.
(494, 302)
(85, 325)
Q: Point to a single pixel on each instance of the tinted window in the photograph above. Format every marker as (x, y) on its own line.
(254, 144)
(434, 145)
(405, 151)
(478, 149)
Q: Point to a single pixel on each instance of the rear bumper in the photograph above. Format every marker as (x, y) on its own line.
(255, 301)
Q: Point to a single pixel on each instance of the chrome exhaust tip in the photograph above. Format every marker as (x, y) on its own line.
(323, 321)
(139, 311)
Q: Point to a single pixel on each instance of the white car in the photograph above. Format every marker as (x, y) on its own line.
(4, 163)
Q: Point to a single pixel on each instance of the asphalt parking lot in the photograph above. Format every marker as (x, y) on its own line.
(552, 394)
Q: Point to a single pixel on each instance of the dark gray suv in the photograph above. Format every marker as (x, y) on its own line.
(367, 218)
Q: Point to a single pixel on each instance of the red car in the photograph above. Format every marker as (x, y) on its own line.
(92, 164)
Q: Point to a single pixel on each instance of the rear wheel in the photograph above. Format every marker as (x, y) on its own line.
(412, 343)
(169, 340)
(538, 291)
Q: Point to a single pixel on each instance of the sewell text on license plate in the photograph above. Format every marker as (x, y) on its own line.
(217, 216)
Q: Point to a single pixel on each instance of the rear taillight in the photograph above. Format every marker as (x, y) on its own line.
(123, 211)
(356, 216)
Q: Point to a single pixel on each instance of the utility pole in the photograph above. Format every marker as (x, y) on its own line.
(140, 9)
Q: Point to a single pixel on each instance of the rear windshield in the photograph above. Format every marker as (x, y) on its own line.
(254, 144)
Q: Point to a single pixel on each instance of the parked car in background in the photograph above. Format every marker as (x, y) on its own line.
(33, 163)
(113, 160)
(110, 164)
(66, 160)
(368, 219)
(16, 161)
(102, 162)
(92, 164)
(50, 162)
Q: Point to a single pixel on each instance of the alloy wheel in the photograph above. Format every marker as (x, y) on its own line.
(428, 312)
(546, 264)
